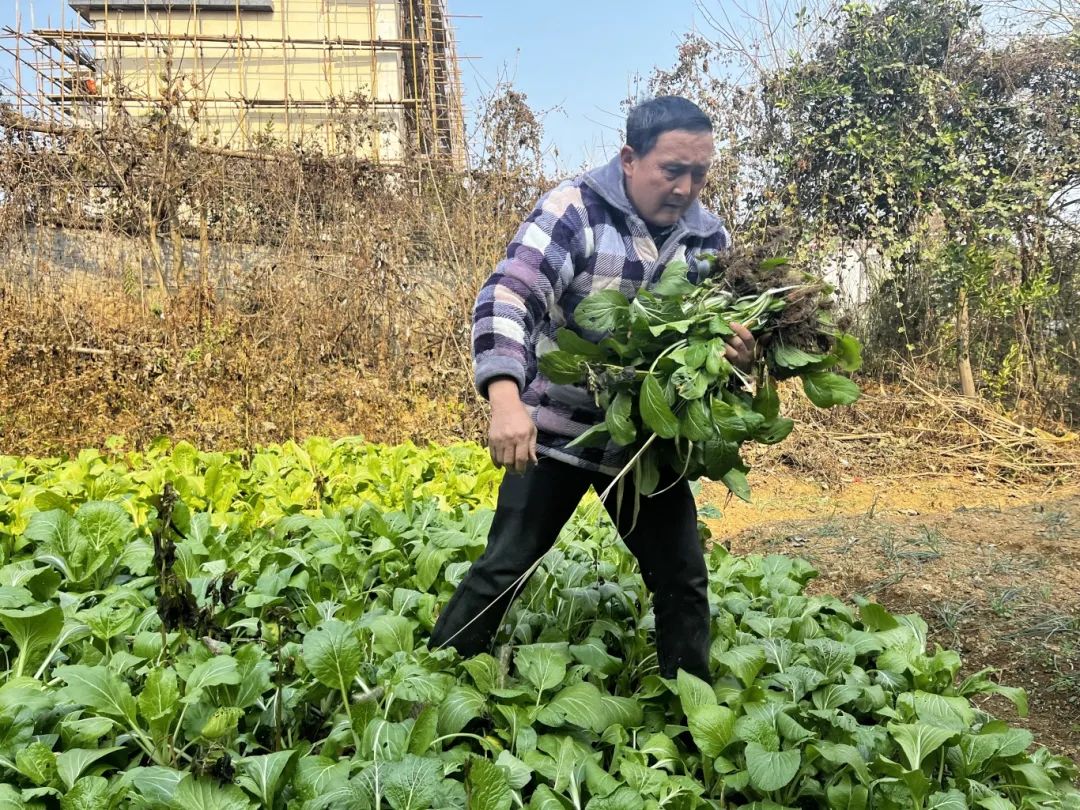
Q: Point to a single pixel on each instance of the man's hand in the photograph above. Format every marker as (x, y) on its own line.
(741, 348)
(512, 435)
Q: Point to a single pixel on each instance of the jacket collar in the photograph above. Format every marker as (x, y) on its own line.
(608, 182)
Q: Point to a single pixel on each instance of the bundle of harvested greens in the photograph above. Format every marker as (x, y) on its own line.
(669, 394)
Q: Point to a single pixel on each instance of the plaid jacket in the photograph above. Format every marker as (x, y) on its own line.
(582, 237)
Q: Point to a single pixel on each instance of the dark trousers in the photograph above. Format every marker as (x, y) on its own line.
(531, 511)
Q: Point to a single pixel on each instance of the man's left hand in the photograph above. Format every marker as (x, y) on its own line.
(741, 348)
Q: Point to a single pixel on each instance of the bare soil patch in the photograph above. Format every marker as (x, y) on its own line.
(993, 569)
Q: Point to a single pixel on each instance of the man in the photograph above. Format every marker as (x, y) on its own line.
(613, 227)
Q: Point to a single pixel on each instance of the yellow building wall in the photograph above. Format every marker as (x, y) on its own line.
(289, 84)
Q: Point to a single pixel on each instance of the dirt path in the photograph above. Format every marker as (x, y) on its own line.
(994, 571)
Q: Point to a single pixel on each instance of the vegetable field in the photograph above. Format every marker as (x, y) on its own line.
(229, 630)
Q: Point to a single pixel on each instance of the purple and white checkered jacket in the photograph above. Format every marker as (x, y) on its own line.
(583, 236)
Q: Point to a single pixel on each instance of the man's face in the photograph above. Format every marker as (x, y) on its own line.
(663, 183)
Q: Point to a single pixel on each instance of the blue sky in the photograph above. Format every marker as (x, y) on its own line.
(575, 59)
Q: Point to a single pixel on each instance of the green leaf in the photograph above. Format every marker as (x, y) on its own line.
(262, 774)
(1034, 775)
(157, 784)
(655, 411)
(840, 754)
(409, 784)
(645, 781)
(673, 281)
(767, 400)
(826, 389)
(518, 774)
(596, 436)
(332, 654)
(320, 776)
(848, 352)
(918, 740)
(604, 311)
(728, 421)
(424, 730)
(745, 662)
(771, 770)
(846, 796)
(573, 343)
(33, 628)
(567, 758)
(70, 764)
(735, 481)
(774, 262)
(429, 563)
(832, 658)
(98, 689)
(949, 712)
(696, 421)
(595, 656)
(462, 705)
(487, 786)
(712, 728)
(773, 431)
(222, 723)
(562, 368)
(758, 729)
(980, 684)
(619, 421)
(392, 634)
(690, 384)
(104, 523)
(202, 793)
(791, 357)
(577, 705)
(835, 695)
(89, 793)
(544, 798)
(54, 531)
(716, 362)
(696, 355)
(622, 711)
(624, 798)
(647, 473)
(663, 750)
(543, 665)
(159, 699)
(1015, 741)
(693, 691)
(952, 800)
(485, 671)
(995, 803)
(876, 618)
(14, 597)
(37, 763)
(216, 671)
(11, 799)
(107, 621)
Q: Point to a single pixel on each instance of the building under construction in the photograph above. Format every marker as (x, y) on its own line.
(376, 77)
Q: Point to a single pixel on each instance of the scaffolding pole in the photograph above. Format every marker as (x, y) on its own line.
(108, 66)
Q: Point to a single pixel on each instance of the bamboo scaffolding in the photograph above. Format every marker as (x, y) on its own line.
(240, 39)
(87, 71)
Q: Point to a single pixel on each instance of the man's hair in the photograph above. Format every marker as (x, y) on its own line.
(650, 119)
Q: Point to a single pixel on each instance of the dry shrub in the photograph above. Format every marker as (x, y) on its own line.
(149, 286)
(913, 428)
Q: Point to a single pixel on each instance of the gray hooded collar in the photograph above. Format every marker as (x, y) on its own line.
(607, 181)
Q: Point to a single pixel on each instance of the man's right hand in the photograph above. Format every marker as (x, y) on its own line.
(512, 436)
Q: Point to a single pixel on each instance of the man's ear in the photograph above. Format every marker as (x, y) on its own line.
(627, 156)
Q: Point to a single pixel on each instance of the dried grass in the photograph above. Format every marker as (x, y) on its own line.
(913, 428)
